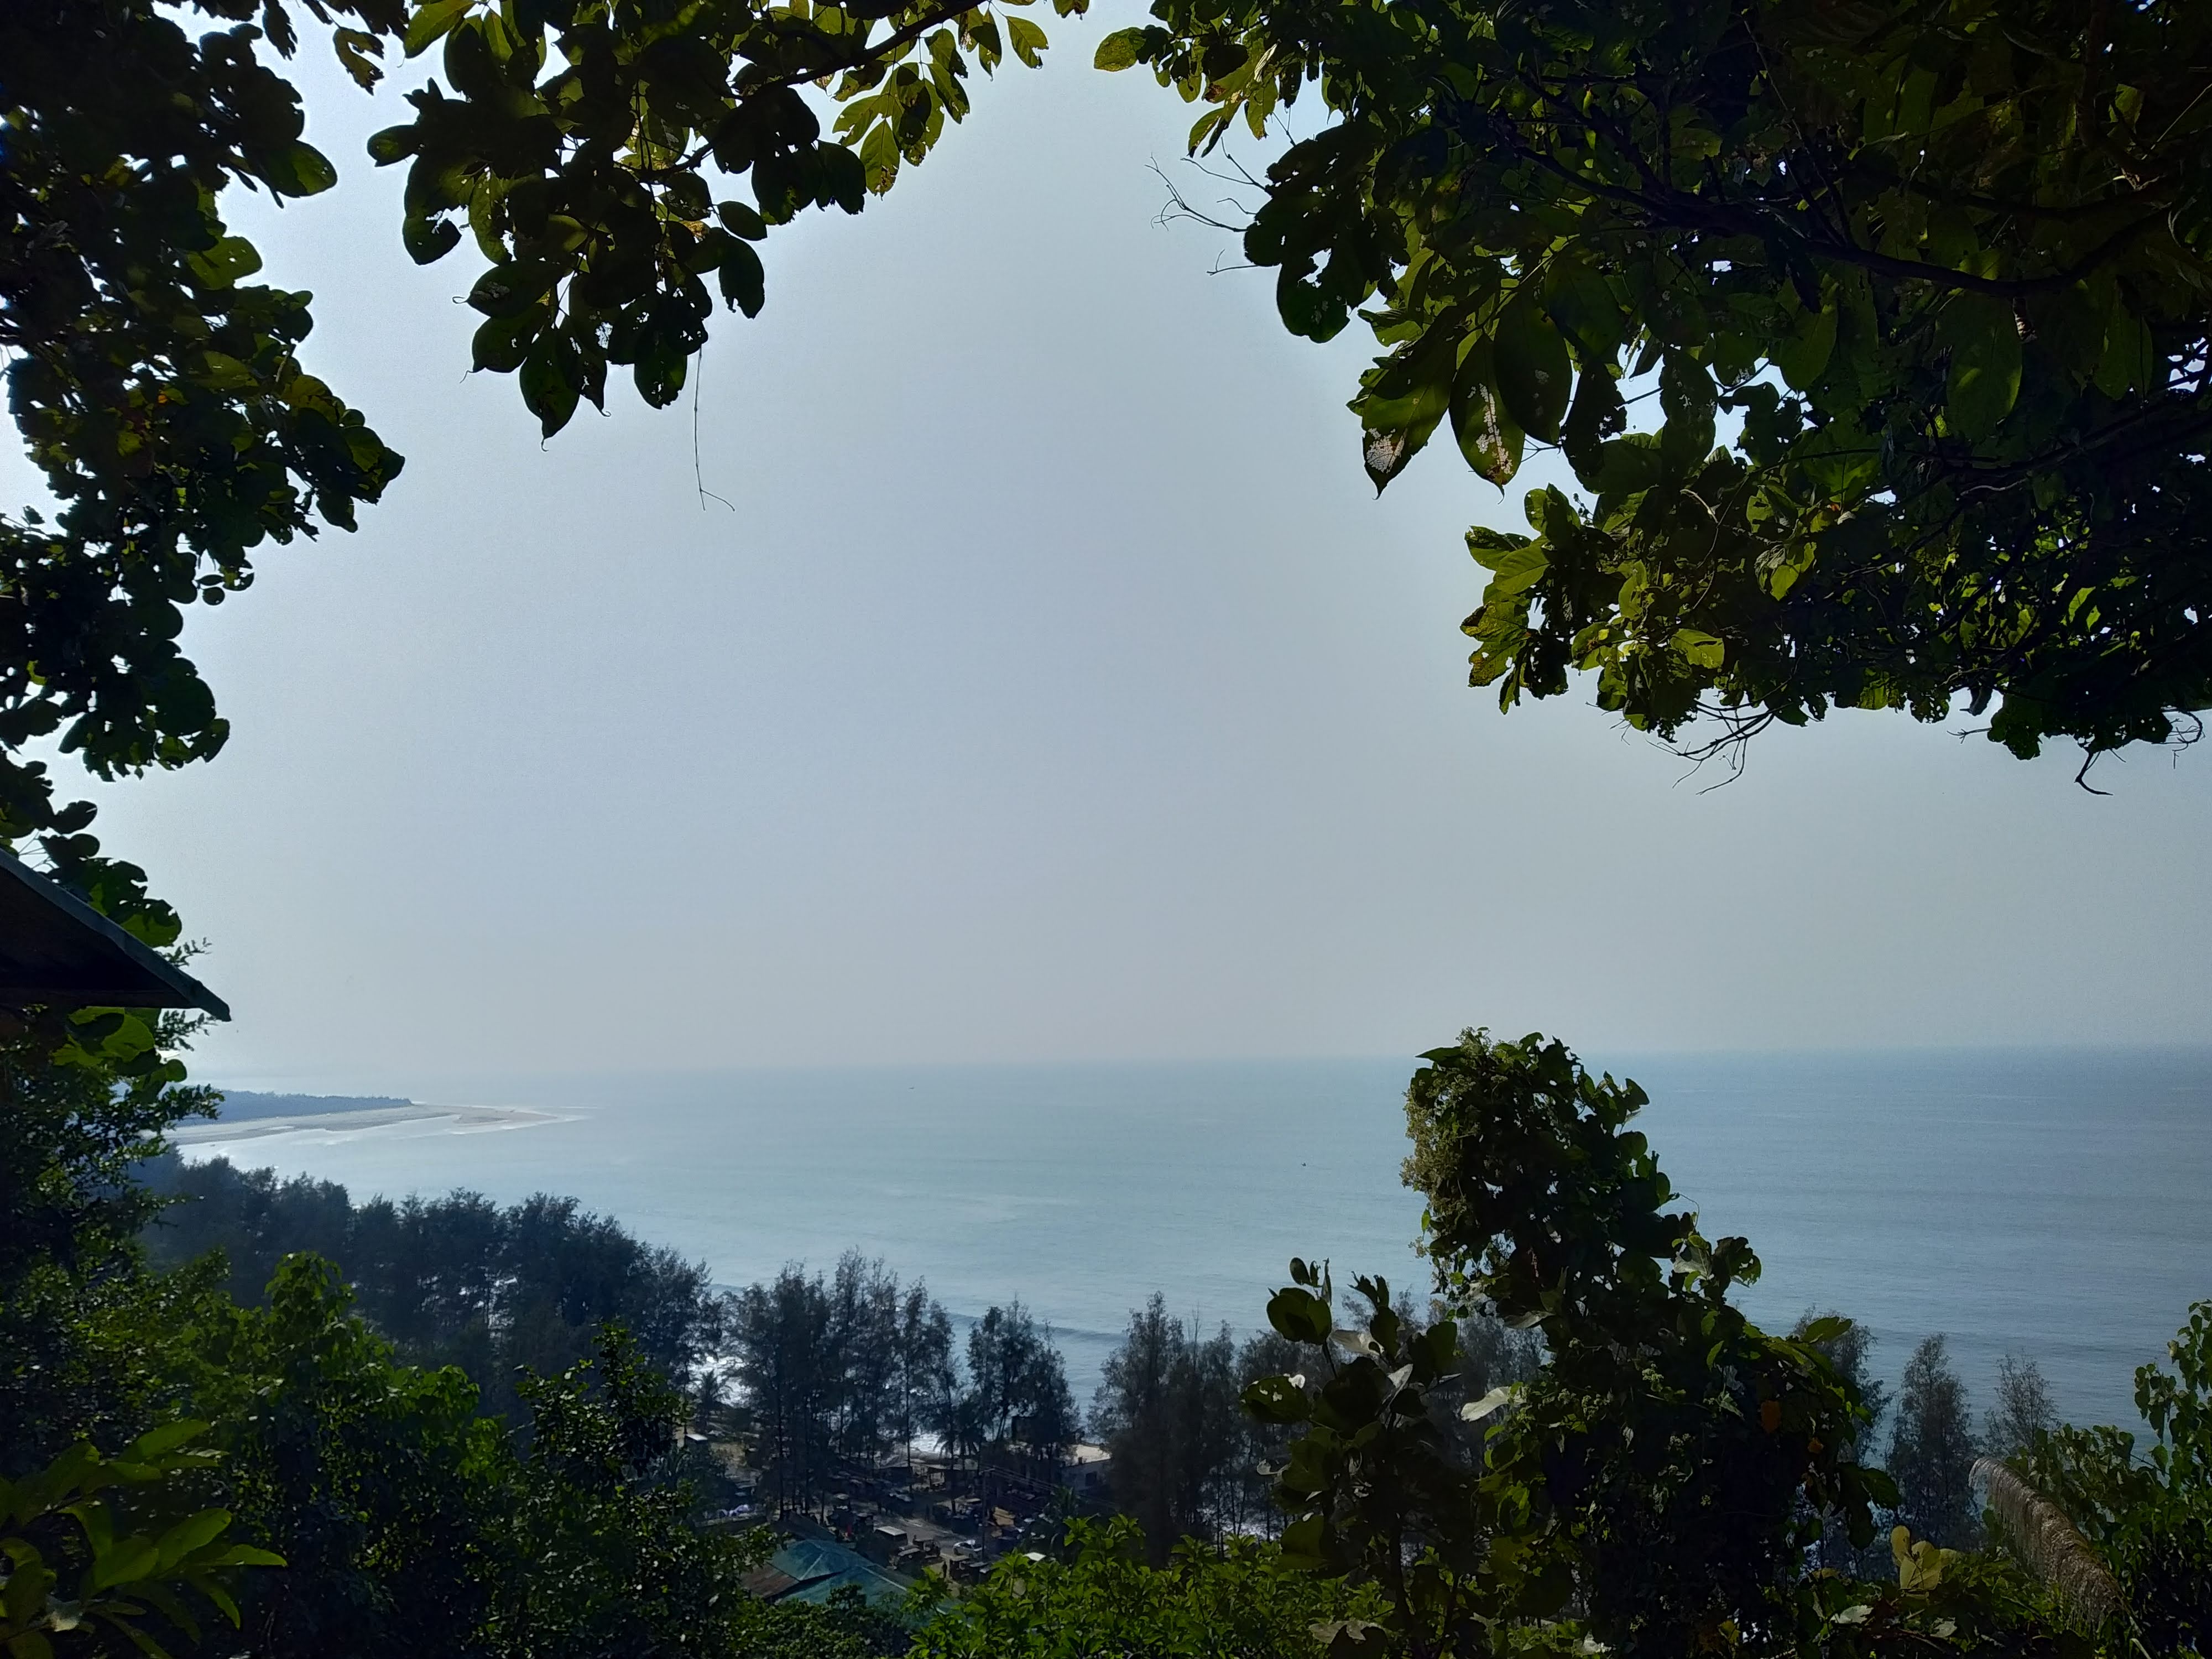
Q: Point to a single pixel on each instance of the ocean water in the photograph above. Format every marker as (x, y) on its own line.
(2047, 1203)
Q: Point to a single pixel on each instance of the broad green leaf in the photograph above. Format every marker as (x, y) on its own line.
(1598, 413)
(1403, 398)
(508, 290)
(1119, 49)
(740, 220)
(300, 170)
(549, 386)
(1277, 1400)
(1299, 1315)
(193, 1533)
(433, 23)
(222, 265)
(1518, 568)
(2130, 360)
(1488, 437)
(428, 239)
(1803, 356)
(1026, 40)
(1534, 373)
(1686, 399)
(392, 145)
(1487, 548)
(1982, 381)
(744, 281)
(1703, 649)
(130, 1558)
(879, 157)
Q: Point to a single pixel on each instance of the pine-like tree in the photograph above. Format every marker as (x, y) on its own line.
(1932, 1450)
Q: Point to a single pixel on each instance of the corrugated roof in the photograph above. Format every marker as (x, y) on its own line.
(821, 1567)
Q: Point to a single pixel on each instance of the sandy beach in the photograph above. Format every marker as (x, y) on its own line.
(465, 1120)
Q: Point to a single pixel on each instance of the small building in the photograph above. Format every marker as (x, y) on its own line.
(1089, 1468)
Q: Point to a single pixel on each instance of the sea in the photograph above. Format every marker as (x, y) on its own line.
(2046, 1203)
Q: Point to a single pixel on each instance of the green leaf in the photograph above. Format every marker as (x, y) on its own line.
(1276, 1400)
(879, 157)
(1805, 354)
(1120, 50)
(194, 1532)
(1702, 649)
(744, 281)
(549, 386)
(2130, 359)
(356, 50)
(1299, 1315)
(393, 144)
(433, 23)
(1488, 437)
(1401, 400)
(1534, 374)
(132, 1558)
(510, 290)
(300, 169)
(223, 373)
(1983, 379)
(1628, 464)
(222, 265)
(244, 1555)
(428, 239)
(1687, 399)
(1516, 568)
(1026, 40)
(1599, 413)
(739, 220)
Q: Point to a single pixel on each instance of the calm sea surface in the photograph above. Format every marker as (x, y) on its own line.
(2051, 1203)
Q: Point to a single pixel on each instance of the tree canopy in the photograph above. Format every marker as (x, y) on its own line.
(1938, 272)
(161, 393)
(1917, 296)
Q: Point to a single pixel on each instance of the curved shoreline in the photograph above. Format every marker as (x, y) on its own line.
(465, 1120)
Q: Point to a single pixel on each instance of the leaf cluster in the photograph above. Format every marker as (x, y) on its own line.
(1094, 1593)
(122, 1559)
(158, 391)
(590, 146)
(2149, 1515)
(1940, 268)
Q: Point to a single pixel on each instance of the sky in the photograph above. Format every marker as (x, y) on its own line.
(1051, 686)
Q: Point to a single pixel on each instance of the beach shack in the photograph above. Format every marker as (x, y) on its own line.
(57, 952)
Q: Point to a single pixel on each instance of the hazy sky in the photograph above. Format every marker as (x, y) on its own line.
(1057, 688)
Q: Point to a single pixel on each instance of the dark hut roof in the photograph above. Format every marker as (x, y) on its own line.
(57, 952)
